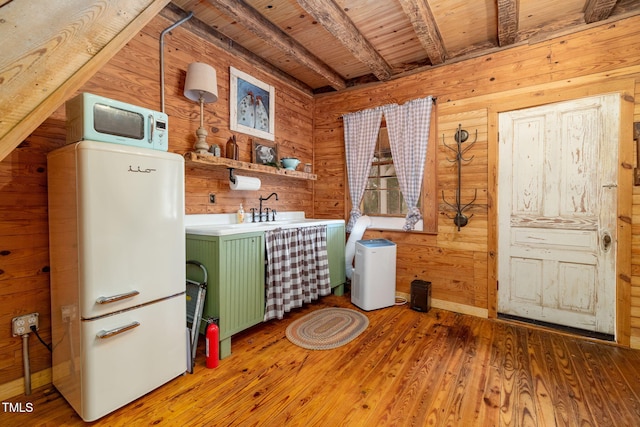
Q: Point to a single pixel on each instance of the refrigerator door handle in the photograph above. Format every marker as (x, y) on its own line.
(119, 297)
(117, 331)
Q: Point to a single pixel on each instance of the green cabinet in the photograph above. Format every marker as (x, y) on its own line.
(335, 252)
(235, 291)
(235, 265)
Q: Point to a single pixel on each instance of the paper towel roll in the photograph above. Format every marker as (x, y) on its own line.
(245, 183)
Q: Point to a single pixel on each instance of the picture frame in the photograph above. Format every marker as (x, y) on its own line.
(251, 105)
(264, 153)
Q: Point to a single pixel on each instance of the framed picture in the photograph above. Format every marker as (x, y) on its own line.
(264, 153)
(252, 105)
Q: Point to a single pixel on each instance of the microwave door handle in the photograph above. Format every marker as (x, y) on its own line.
(152, 126)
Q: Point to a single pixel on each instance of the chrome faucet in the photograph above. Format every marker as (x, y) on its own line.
(263, 199)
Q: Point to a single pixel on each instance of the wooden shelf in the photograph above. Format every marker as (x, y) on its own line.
(223, 162)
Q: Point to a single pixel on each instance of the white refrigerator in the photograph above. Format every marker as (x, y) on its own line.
(117, 254)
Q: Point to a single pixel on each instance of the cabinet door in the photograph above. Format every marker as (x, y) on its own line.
(205, 249)
(335, 252)
(241, 282)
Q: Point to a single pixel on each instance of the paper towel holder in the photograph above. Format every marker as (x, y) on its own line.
(239, 182)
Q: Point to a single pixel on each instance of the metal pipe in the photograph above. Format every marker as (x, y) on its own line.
(27, 368)
(165, 31)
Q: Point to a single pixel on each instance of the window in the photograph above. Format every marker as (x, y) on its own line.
(382, 196)
(377, 194)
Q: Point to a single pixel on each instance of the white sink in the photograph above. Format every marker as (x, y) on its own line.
(247, 227)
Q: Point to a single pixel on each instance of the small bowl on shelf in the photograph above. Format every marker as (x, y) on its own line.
(290, 163)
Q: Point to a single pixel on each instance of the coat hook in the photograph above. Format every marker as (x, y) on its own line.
(461, 136)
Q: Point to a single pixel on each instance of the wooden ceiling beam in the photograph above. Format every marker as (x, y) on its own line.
(334, 20)
(424, 24)
(597, 10)
(174, 13)
(507, 21)
(274, 36)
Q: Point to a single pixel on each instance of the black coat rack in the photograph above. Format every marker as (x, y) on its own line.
(461, 137)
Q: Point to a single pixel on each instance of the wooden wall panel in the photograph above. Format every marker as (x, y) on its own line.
(329, 159)
(635, 243)
(461, 264)
(133, 76)
(472, 237)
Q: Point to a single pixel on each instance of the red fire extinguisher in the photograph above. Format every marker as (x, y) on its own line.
(211, 344)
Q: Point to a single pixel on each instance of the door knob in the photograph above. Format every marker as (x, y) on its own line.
(606, 241)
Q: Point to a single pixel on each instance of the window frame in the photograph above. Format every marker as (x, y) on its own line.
(430, 203)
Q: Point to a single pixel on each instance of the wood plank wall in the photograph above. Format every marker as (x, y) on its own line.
(635, 239)
(133, 76)
(462, 265)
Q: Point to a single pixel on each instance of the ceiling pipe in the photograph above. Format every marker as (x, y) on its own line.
(165, 31)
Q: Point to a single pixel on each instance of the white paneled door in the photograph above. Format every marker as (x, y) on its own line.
(557, 191)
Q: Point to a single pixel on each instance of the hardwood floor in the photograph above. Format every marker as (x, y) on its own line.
(408, 368)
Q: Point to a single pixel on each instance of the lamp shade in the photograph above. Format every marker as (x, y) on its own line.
(201, 81)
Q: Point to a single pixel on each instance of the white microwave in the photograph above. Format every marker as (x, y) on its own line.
(96, 118)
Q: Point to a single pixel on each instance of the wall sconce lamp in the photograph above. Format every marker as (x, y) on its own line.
(201, 85)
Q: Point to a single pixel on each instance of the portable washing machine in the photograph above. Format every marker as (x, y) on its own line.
(373, 284)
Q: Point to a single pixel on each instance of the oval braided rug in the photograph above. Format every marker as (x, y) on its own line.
(327, 328)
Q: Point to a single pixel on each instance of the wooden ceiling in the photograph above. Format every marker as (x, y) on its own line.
(334, 44)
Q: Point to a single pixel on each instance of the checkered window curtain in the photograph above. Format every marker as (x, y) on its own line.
(297, 268)
(408, 127)
(360, 135)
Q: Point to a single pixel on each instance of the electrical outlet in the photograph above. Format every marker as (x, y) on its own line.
(22, 324)
(212, 198)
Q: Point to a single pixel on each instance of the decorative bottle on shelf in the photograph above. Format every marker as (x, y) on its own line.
(215, 150)
(232, 149)
(240, 214)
